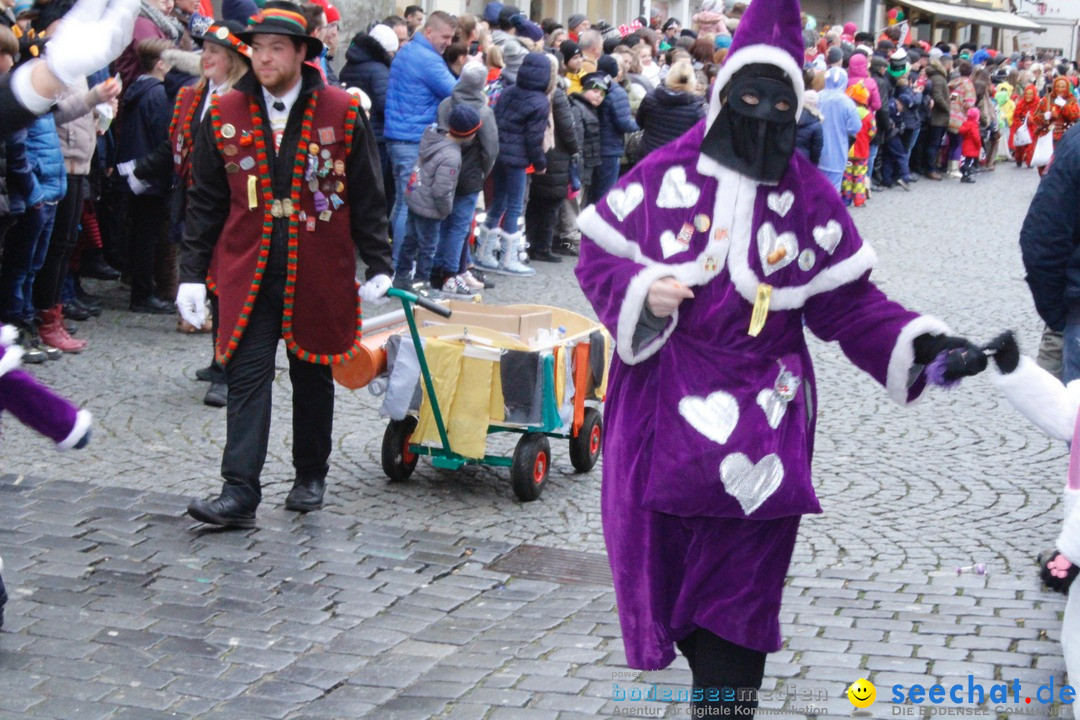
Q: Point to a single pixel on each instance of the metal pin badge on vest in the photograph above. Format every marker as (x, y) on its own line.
(228, 131)
(232, 168)
(327, 136)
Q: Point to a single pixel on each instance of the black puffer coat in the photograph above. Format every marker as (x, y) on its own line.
(665, 114)
(367, 66)
(588, 128)
(522, 115)
(552, 184)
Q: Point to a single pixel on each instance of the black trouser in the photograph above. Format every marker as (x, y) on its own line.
(541, 217)
(250, 374)
(217, 372)
(933, 148)
(148, 221)
(727, 676)
(49, 281)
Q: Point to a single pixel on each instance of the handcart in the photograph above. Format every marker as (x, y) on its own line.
(571, 362)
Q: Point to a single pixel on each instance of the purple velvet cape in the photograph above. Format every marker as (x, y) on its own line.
(707, 447)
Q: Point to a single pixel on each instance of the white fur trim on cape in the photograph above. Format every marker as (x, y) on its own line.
(749, 55)
(1068, 542)
(690, 273)
(739, 216)
(83, 418)
(8, 335)
(900, 375)
(1041, 398)
(12, 359)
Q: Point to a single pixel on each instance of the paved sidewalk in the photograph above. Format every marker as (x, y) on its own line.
(383, 604)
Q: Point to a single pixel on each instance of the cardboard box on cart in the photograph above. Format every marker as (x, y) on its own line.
(521, 322)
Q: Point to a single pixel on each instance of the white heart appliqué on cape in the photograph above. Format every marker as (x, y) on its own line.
(623, 202)
(828, 237)
(671, 245)
(715, 416)
(751, 484)
(780, 203)
(676, 191)
(768, 242)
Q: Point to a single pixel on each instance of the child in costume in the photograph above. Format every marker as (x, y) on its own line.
(1055, 409)
(705, 261)
(853, 190)
(37, 407)
(970, 145)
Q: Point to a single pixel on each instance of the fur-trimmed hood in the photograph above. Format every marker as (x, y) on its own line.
(184, 61)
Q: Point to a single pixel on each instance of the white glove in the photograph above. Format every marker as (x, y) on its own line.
(374, 290)
(191, 302)
(1046, 115)
(127, 169)
(91, 35)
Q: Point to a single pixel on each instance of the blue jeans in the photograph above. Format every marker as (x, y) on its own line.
(874, 148)
(25, 247)
(455, 228)
(606, 175)
(421, 239)
(509, 200)
(1070, 351)
(403, 157)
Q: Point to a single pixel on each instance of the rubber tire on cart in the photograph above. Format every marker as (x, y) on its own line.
(585, 448)
(397, 462)
(532, 461)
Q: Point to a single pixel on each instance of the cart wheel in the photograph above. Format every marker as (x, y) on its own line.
(397, 461)
(532, 458)
(585, 448)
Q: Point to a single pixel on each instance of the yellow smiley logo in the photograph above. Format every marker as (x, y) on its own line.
(862, 693)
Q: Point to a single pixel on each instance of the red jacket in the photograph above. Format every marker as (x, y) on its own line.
(972, 141)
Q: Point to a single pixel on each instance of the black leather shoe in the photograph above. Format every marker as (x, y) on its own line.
(217, 395)
(306, 495)
(153, 305)
(545, 256)
(204, 374)
(76, 311)
(223, 511)
(98, 269)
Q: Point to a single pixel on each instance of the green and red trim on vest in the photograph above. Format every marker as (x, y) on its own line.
(299, 166)
(185, 128)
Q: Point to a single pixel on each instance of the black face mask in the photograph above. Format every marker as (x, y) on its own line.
(754, 134)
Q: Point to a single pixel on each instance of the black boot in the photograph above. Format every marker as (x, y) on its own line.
(231, 509)
(306, 495)
(217, 395)
(94, 266)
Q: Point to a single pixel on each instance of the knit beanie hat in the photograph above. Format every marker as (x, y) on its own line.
(608, 64)
(575, 20)
(834, 55)
(935, 54)
(527, 28)
(464, 121)
(491, 12)
(569, 50)
(385, 36)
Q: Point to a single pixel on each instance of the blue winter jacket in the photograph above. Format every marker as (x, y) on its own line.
(615, 122)
(522, 115)
(1050, 237)
(840, 121)
(419, 80)
(22, 186)
(47, 158)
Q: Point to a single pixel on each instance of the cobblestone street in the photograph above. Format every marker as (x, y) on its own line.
(383, 604)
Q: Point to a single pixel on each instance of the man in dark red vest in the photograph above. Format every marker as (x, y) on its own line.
(286, 188)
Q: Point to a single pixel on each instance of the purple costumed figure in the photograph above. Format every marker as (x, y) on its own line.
(705, 261)
(37, 407)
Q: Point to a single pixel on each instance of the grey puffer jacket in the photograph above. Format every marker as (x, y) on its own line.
(77, 127)
(478, 156)
(431, 187)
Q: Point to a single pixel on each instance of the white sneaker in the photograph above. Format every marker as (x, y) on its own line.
(454, 285)
(470, 281)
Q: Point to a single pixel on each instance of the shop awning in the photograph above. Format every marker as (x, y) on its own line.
(973, 16)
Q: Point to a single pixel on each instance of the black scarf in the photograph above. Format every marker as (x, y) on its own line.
(755, 139)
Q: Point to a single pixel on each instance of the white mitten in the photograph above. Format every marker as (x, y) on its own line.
(91, 35)
(191, 302)
(374, 290)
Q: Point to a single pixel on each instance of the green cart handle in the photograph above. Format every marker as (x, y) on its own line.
(423, 302)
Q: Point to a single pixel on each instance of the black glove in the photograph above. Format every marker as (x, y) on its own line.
(1055, 583)
(1005, 351)
(963, 359)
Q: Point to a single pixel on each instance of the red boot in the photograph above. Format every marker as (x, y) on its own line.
(53, 334)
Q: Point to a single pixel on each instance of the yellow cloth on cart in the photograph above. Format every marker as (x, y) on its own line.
(463, 381)
(444, 364)
(560, 374)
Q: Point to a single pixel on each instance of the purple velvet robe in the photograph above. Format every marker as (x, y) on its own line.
(709, 431)
(33, 404)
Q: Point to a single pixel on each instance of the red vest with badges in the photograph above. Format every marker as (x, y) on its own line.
(321, 319)
(188, 102)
